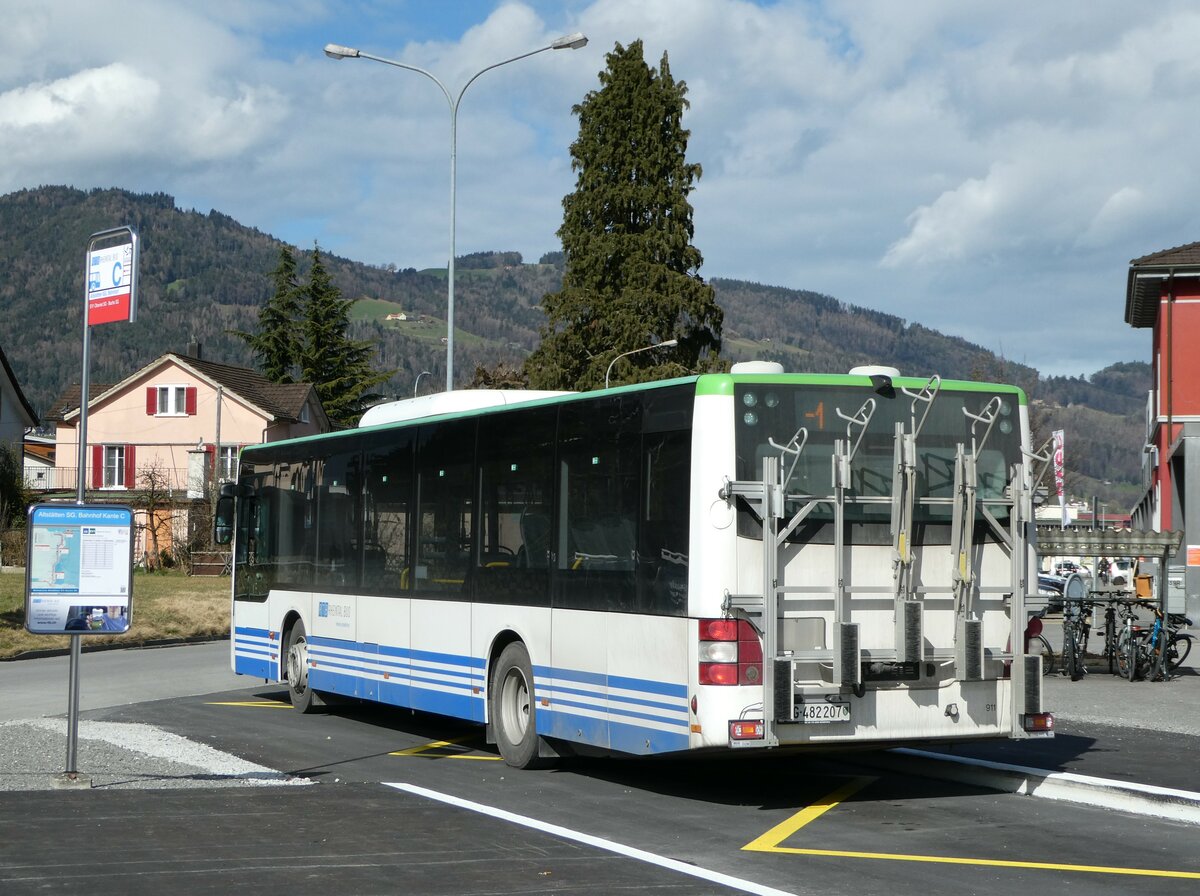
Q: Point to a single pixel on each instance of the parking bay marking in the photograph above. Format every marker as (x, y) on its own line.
(423, 751)
(255, 704)
(771, 842)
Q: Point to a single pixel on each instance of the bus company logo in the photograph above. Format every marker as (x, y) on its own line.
(323, 609)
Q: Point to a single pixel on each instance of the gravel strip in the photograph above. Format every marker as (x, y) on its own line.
(118, 755)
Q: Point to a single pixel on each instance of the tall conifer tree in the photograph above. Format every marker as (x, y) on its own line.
(631, 269)
(277, 342)
(338, 367)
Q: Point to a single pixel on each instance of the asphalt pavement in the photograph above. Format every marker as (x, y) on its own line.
(1145, 733)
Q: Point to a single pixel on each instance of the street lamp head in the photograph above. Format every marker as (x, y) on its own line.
(667, 344)
(337, 51)
(569, 42)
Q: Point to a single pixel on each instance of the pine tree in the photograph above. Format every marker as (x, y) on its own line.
(338, 367)
(630, 277)
(276, 343)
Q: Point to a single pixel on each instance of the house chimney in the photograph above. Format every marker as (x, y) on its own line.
(193, 350)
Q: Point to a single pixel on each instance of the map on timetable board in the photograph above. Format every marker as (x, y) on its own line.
(80, 569)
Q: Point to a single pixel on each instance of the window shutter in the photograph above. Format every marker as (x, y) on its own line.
(151, 401)
(191, 401)
(97, 466)
(210, 460)
(130, 467)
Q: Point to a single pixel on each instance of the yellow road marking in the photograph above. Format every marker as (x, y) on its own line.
(264, 704)
(990, 863)
(422, 751)
(771, 840)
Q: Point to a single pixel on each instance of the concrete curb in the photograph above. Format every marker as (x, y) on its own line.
(1137, 799)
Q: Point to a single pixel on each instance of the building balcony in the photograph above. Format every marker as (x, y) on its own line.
(174, 482)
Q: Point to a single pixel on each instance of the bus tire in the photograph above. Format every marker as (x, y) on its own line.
(302, 696)
(513, 711)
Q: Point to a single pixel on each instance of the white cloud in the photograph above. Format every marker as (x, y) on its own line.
(978, 167)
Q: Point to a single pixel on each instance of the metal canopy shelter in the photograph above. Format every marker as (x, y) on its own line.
(1051, 540)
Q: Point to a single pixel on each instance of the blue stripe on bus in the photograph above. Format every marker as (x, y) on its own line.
(254, 653)
(454, 685)
(612, 712)
(609, 699)
(644, 741)
(246, 665)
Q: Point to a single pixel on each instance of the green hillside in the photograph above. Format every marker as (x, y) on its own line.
(203, 275)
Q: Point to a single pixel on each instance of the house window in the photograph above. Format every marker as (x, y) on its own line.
(304, 414)
(227, 463)
(171, 401)
(114, 466)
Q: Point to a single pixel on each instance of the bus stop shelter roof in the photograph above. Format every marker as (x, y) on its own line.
(1052, 540)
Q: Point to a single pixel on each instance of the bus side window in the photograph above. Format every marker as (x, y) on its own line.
(446, 511)
(595, 542)
(339, 537)
(388, 511)
(663, 548)
(516, 483)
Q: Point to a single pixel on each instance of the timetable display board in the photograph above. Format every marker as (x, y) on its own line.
(79, 561)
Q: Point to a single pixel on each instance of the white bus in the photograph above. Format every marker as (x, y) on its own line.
(587, 572)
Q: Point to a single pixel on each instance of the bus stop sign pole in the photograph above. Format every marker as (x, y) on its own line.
(110, 295)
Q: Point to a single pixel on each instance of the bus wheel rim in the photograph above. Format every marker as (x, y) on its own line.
(298, 665)
(516, 705)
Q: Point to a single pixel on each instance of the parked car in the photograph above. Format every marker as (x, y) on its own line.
(1120, 572)
(1051, 588)
(1067, 567)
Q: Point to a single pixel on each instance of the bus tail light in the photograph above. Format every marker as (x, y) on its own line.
(747, 729)
(1038, 722)
(730, 652)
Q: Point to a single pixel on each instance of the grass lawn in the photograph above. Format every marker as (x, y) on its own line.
(166, 605)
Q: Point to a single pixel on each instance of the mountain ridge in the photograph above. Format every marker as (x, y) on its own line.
(204, 275)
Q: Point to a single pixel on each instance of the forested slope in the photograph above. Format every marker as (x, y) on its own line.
(203, 275)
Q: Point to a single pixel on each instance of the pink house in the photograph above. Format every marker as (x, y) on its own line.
(178, 416)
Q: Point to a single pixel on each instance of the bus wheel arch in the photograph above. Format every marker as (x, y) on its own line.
(512, 710)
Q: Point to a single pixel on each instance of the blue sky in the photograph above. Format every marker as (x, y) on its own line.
(984, 169)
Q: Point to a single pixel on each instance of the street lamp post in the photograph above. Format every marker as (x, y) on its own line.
(336, 51)
(644, 348)
(417, 382)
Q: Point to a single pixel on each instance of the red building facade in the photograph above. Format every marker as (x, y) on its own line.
(1163, 294)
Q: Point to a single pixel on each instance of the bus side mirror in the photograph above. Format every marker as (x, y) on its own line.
(223, 520)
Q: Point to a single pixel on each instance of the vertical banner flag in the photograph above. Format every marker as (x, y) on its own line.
(111, 282)
(1058, 474)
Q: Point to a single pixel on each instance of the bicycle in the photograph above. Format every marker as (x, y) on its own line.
(1111, 637)
(1179, 645)
(1077, 624)
(1127, 641)
(1036, 643)
(1157, 652)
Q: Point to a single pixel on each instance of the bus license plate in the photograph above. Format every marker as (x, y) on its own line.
(822, 713)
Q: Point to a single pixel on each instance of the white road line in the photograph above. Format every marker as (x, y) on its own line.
(641, 855)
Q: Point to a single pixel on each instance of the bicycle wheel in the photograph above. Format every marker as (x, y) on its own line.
(1178, 649)
(1126, 655)
(1072, 663)
(1110, 640)
(1039, 646)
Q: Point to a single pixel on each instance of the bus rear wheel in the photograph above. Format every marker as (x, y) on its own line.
(296, 659)
(513, 711)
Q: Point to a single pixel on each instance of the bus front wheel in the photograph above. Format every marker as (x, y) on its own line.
(296, 660)
(513, 710)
